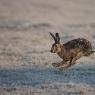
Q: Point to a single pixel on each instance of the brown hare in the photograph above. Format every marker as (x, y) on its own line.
(70, 51)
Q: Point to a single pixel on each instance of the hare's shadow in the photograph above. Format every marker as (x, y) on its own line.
(37, 76)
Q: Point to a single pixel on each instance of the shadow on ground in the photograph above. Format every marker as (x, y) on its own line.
(36, 76)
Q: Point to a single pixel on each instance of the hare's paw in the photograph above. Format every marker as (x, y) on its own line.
(65, 66)
(55, 65)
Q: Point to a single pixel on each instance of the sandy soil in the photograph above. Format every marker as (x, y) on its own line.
(25, 46)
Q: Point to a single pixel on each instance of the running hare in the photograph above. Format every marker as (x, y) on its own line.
(70, 51)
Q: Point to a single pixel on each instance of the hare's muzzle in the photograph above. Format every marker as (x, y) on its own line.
(51, 51)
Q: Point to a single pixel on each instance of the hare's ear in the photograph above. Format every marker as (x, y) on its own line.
(57, 37)
(53, 36)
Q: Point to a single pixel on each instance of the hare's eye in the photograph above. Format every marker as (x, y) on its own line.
(57, 45)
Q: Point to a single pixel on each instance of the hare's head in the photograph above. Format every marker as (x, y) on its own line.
(56, 47)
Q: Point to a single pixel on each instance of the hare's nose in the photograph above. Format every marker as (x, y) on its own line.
(51, 51)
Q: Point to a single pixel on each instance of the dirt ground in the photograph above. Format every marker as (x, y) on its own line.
(25, 58)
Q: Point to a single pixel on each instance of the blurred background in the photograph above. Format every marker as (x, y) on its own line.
(25, 46)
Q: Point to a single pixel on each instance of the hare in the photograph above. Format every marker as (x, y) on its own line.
(70, 51)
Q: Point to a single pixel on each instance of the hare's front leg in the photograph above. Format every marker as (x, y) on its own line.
(65, 66)
(58, 64)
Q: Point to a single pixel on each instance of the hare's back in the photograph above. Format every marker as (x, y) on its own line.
(81, 43)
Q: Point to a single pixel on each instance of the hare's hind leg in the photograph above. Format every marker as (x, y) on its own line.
(79, 55)
(71, 62)
(64, 65)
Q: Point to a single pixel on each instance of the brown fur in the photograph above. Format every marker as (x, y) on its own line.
(70, 51)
